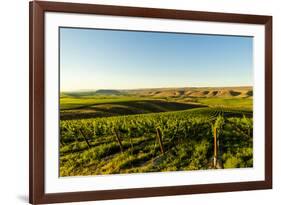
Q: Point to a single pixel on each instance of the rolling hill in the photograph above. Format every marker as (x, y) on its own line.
(203, 92)
(106, 103)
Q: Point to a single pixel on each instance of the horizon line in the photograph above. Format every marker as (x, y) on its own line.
(89, 90)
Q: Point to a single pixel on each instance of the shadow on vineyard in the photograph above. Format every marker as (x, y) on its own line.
(194, 139)
(126, 107)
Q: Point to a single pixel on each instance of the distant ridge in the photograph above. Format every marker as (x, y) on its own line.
(108, 92)
(203, 92)
(193, 92)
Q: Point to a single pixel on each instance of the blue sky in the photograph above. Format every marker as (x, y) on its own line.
(105, 59)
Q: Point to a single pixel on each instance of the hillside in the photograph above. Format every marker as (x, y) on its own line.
(196, 92)
(124, 108)
(106, 103)
(108, 92)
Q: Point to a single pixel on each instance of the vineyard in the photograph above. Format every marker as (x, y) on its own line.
(194, 139)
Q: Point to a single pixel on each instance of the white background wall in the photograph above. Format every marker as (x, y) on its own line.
(14, 100)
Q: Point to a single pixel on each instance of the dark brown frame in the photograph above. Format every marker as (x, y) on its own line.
(36, 100)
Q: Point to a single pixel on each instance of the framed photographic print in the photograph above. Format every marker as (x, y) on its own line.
(139, 102)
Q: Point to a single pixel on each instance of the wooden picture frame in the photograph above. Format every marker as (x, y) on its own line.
(37, 11)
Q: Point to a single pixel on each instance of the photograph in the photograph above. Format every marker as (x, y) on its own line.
(140, 101)
(137, 102)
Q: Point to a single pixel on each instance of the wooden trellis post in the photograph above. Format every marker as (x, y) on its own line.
(85, 138)
(159, 136)
(119, 140)
(215, 147)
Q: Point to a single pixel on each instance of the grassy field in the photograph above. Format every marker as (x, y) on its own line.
(239, 103)
(155, 130)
